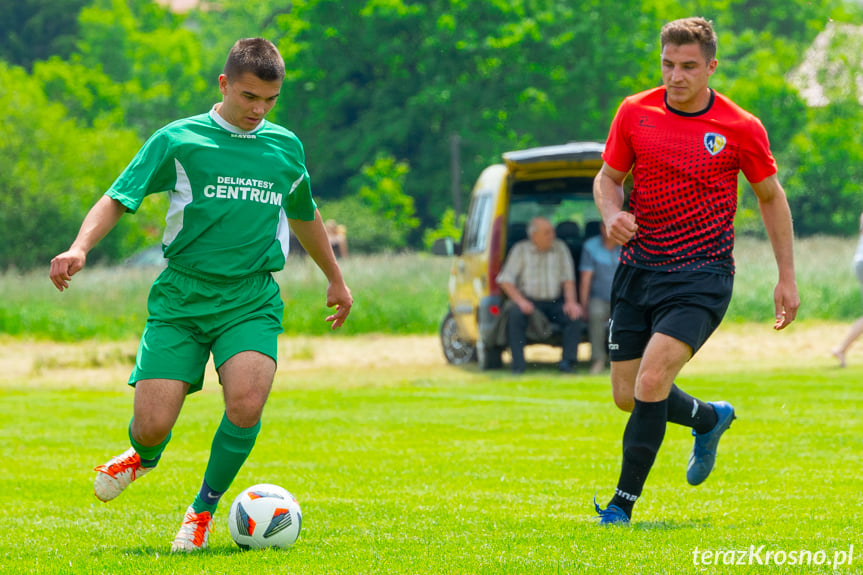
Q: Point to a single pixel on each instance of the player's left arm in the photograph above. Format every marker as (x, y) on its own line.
(313, 237)
(776, 215)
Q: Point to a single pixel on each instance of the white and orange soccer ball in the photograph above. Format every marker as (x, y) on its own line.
(265, 515)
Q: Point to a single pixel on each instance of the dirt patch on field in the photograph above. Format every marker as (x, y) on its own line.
(733, 347)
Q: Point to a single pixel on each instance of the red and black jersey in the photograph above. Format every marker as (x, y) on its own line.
(685, 169)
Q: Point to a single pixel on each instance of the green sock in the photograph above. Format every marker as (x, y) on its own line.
(149, 455)
(231, 446)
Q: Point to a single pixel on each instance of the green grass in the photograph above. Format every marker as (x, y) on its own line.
(397, 294)
(435, 469)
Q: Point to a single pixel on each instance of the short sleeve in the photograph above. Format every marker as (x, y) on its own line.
(618, 152)
(151, 170)
(756, 159)
(513, 265)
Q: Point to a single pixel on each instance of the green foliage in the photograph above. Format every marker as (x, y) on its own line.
(372, 79)
(85, 91)
(450, 227)
(33, 30)
(823, 170)
(501, 75)
(379, 216)
(381, 189)
(777, 104)
(161, 67)
(51, 171)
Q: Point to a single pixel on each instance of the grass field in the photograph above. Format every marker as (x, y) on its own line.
(403, 464)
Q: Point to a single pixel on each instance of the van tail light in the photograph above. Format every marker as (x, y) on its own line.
(494, 310)
(495, 258)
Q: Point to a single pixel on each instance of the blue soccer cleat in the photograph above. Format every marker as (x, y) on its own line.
(704, 450)
(611, 515)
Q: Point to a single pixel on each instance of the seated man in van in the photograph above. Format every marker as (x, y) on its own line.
(539, 275)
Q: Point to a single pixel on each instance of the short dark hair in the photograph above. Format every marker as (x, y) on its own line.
(255, 55)
(694, 30)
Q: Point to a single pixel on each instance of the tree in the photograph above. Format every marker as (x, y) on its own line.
(379, 216)
(51, 171)
(32, 30)
(823, 170)
(159, 65)
(401, 77)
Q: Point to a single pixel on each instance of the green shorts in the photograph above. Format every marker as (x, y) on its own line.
(191, 316)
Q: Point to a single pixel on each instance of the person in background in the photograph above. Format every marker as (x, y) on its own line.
(856, 328)
(539, 275)
(227, 231)
(598, 262)
(338, 235)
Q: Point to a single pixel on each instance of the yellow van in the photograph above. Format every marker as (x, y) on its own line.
(551, 181)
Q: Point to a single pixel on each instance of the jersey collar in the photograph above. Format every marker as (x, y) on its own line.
(216, 117)
(689, 114)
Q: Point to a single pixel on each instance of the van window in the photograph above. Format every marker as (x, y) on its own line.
(477, 224)
(566, 202)
(558, 200)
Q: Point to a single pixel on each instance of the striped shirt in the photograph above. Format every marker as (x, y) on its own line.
(538, 275)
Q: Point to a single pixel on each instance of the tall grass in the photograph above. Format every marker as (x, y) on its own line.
(825, 278)
(396, 294)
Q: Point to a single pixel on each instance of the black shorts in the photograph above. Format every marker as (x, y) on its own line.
(687, 306)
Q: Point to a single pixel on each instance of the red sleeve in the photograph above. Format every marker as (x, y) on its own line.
(618, 148)
(756, 160)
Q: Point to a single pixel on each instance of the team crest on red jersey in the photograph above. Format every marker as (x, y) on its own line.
(714, 142)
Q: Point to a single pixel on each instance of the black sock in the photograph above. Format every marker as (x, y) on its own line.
(683, 409)
(642, 437)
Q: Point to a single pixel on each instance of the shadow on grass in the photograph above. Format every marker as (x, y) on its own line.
(210, 551)
(164, 551)
(671, 525)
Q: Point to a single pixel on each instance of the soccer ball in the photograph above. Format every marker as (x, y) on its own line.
(265, 515)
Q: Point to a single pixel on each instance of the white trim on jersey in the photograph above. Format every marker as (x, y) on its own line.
(180, 197)
(283, 232)
(296, 183)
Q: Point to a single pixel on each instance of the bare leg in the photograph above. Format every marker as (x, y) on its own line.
(623, 374)
(246, 381)
(854, 332)
(157, 406)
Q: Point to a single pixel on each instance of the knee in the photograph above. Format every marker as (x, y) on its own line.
(151, 430)
(624, 402)
(623, 394)
(651, 386)
(245, 411)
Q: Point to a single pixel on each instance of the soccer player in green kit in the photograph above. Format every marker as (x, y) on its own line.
(235, 182)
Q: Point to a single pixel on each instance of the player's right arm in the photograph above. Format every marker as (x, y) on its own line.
(608, 195)
(101, 218)
(313, 237)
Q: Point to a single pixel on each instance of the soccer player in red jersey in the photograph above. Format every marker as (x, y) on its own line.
(685, 145)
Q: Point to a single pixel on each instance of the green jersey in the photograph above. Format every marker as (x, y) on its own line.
(231, 193)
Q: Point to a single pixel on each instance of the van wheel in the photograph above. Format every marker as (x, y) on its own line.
(489, 357)
(457, 350)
